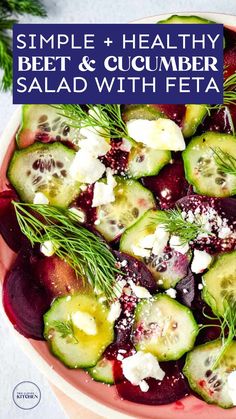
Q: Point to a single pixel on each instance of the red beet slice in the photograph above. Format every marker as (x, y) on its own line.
(220, 120)
(173, 387)
(116, 158)
(24, 299)
(56, 276)
(137, 271)
(186, 289)
(169, 185)
(9, 228)
(174, 112)
(140, 275)
(230, 38)
(230, 62)
(84, 202)
(225, 208)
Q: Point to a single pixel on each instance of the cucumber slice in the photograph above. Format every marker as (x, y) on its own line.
(144, 161)
(193, 118)
(131, 201)
(43, 123)
(220, 283)
(77, 349)
(169, 267)
(44, 168)
(148, 112)
(185, 19)
(211, 385)
(164, 327)
(103, 371)
(201, 169)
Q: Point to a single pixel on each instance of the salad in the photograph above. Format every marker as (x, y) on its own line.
(123, 218)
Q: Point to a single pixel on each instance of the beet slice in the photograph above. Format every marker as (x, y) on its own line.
(173, 387)
(230, 62)
(84, 202)
(225, 208)
(174, 112)
(56, 276)
(230, 38)
(220, 120)
(24, 299)
(116, 158)
(136, 271)
(186, 289)
(169, 185)
(9, 228)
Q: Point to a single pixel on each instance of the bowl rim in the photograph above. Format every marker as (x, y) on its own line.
(43, 366)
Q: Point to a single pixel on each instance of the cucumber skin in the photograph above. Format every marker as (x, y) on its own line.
(192, 383)
(185, 19)
(205, 293)
(183, 308)
(148, 112)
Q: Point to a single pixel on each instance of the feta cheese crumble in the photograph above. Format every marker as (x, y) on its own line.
(175, 244)
(171, 292)
(40, 198)
(152, 243)
(140, 366)
(85, 322)
(114, 312)
(47, 248)
(79, 213)
(231, 384)
(201, 260)
(139, 291)
(103, 193)
(86, 168)
(160, 134)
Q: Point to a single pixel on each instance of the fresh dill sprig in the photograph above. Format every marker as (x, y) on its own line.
(224, 161)
(85, 252)
(227, 325)
(228, 330)
(9, 9)
(105, 119)
(65, 328)
(173, 222)
(229, 93)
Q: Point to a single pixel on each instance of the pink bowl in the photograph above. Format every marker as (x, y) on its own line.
(76, 384)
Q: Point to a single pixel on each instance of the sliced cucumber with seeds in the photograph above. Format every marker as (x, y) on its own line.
(103, 371)
(144, 161)
(211, 384)
(185, 19)
(131, 201)
(164, 327)
(220, 283)
(169, 267)
(69, 341)
(200, 166)
(43, 123)
(44, 168)
(194, 116)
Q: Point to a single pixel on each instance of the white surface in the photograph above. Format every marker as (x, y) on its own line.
(15, 366)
